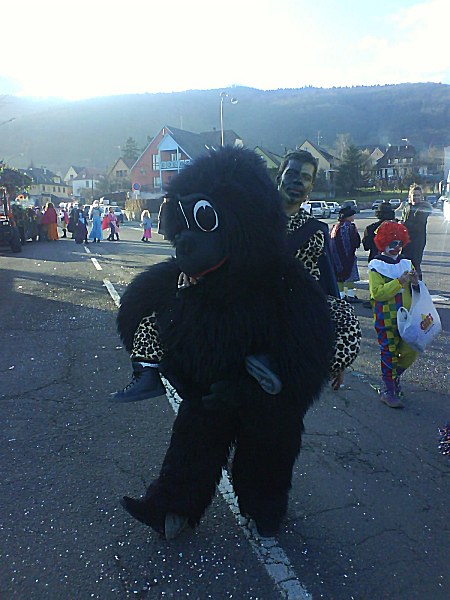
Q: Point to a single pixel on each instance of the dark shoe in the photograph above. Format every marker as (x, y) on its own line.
(145, 384)
(391, 400)
(353, 300)
(169, 526)
(259, 367)
(140, 511)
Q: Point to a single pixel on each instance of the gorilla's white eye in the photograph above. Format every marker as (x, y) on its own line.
(205, 216)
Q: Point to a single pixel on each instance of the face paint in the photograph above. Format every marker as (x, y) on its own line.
(296, 181)
(394, 248)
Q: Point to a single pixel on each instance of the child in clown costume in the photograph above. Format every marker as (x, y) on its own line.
(390, 280)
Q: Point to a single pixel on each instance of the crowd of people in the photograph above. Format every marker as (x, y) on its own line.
(83, 223)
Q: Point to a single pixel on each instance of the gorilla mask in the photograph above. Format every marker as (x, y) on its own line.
(198, 241)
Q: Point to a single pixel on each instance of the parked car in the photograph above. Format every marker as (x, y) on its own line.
(440, 202)
(352, 204)
(319, 208)
(376, 203)
(335, 207)
(395, 202)
(117, 211)
(432, 200)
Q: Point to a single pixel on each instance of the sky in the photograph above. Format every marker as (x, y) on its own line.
(90, 48)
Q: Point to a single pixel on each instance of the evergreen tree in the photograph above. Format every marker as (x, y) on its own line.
(350, 173)
(131, 150)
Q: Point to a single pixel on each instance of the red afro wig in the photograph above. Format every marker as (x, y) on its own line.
(389, 231)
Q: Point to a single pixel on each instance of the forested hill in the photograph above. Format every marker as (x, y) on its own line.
(56, 134)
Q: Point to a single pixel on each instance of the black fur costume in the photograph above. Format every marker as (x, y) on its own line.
(254, 299)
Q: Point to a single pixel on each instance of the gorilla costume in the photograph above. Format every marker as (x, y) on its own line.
(247, 297)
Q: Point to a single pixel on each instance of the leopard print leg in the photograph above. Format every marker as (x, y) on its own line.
(146, 344)
(348, 334)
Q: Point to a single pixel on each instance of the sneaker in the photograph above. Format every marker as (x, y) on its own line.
(260, 367)
(145, 384)
(391, 400)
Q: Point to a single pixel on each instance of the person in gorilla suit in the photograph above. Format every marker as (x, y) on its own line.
(242, 295)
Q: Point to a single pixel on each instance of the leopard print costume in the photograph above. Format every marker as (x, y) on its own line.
(147, 348)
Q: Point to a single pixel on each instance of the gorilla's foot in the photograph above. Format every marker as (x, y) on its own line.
(169, 525)
(141, 511)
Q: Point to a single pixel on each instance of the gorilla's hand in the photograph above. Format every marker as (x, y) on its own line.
(222, 396)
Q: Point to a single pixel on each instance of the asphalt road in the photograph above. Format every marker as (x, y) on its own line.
(368, 510)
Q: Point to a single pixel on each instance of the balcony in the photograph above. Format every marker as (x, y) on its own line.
(174, 165)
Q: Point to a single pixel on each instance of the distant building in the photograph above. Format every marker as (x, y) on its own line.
(86, 182)
(397, 163)
(169, 152)
(47, 186)
(373, 153)
(272, 160)
(120, 171)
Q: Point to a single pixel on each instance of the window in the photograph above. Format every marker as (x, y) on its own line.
(87, 183)
(157, 182)
(142, 170)
(155, 162)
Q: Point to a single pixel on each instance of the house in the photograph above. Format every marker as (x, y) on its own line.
(272, 160)
(397, 163)
(169, 151)
(120, 171)
(373, 153)
(85, 182)
(72, 173)
(47, 186)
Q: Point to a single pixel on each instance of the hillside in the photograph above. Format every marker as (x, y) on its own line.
(56, 133)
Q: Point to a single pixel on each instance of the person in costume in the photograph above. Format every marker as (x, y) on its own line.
(307, 240)
(384, 212)
(95, 215)
(345, 241)
(390, 280)
(232, 291)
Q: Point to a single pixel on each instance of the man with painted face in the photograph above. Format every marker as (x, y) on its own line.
(390, 280)
(308, 238)
(309, 241)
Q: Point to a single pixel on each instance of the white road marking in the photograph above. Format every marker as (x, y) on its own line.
(96, 264)
(86, 249)
(267, 550)
(112, 292)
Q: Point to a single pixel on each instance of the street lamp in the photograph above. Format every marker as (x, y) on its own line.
(224, 95)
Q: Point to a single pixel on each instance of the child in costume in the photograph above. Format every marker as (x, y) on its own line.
(390, 280)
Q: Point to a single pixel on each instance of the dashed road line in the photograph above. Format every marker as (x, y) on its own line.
(270, 554)
(96, 264)
(112, 292)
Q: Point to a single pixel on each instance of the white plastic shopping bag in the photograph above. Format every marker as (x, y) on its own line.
(419, 325)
